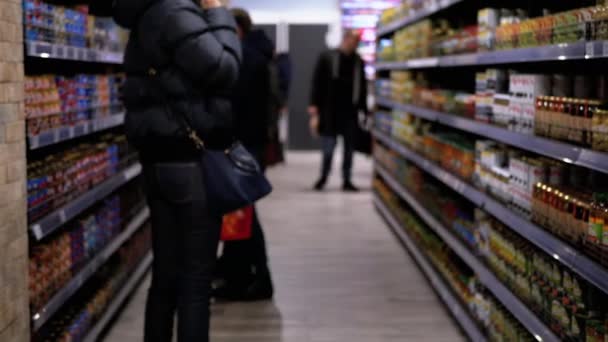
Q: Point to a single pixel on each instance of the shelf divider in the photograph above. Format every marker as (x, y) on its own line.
(564, 152)
(59, 217)
(62, 134)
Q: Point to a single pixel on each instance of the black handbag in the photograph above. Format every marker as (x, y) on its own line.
(233, 177)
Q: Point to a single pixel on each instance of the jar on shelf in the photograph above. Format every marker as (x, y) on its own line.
(599, 129)
(595, 234)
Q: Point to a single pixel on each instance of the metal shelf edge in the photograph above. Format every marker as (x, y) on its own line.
(56, 219)
(565, 152)
(57, 135)
(59, 299)
(46, 50)
(459, 313)
(519, 310)
(119, 299)
(559, 250)
(556, 52)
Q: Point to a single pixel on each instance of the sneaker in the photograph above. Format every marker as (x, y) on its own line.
(320, 185)
(349, 187)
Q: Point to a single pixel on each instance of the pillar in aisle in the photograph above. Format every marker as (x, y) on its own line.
(14, 312)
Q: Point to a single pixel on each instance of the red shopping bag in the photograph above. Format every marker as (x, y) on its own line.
(237, 225)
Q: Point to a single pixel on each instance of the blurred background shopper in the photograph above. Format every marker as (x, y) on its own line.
(243, 266)
(181, 60)
(339, 93)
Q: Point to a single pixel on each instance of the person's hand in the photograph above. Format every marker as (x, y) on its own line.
(208, 4)
(313, 111)
(314, 125)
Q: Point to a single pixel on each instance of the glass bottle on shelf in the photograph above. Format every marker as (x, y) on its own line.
(595, 233)
(599, 140)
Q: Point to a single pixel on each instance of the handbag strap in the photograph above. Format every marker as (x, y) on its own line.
(182, 118)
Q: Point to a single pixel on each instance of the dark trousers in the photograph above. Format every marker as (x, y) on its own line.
(242, 258)
(328, 147)
(185, 239)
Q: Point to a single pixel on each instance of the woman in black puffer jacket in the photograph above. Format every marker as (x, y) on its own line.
(182, 61)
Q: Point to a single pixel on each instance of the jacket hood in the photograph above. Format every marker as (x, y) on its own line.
(126, 12)
(258, 40)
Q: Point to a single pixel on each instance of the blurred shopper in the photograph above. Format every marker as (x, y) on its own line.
(181, 61)
(339, 92)
(244, 264)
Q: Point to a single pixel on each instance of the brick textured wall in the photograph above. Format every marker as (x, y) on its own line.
(14, 313)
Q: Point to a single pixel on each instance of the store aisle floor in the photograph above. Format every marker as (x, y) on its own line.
(340, 274)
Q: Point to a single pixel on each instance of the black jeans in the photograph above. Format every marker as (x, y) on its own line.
(239, 257)
(328, 147)
(185, 240)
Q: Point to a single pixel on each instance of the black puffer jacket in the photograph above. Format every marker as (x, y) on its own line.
(252, 94)
(180, 60)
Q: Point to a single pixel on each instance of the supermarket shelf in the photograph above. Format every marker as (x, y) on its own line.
(559, 52)
(527, 318)
(57, 51)
(59, 299)
(58, 135)
(456, 308)
(421, 14)
(560, 250)
(141, 270)
(554, 149)
(56, 219)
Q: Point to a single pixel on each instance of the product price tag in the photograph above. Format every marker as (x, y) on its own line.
(46, 138)
(70, 53)
(132, 172)
(59, 51)
(64, 133)
(589, 50)
(62, 216)
(80, 130)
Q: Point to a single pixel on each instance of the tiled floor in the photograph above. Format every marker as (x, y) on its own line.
(340, 274)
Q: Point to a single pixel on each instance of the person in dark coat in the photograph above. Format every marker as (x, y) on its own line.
(339, 93)
(182, 62)
(243, 265)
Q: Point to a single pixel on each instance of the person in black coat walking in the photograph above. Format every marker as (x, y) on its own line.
(182, 61)
(339, 93)
(243, 266)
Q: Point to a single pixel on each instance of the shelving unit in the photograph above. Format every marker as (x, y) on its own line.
(77, 80)
(120, 298)
(580, 51)
(434, 73)
(59, 217)
(561, 251)
(567, 153)
(487, 278)
(453, 304)
(60, 298)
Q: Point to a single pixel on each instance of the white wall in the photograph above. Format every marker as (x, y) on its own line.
(296, 12)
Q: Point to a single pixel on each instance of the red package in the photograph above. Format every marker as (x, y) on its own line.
(237, 225)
